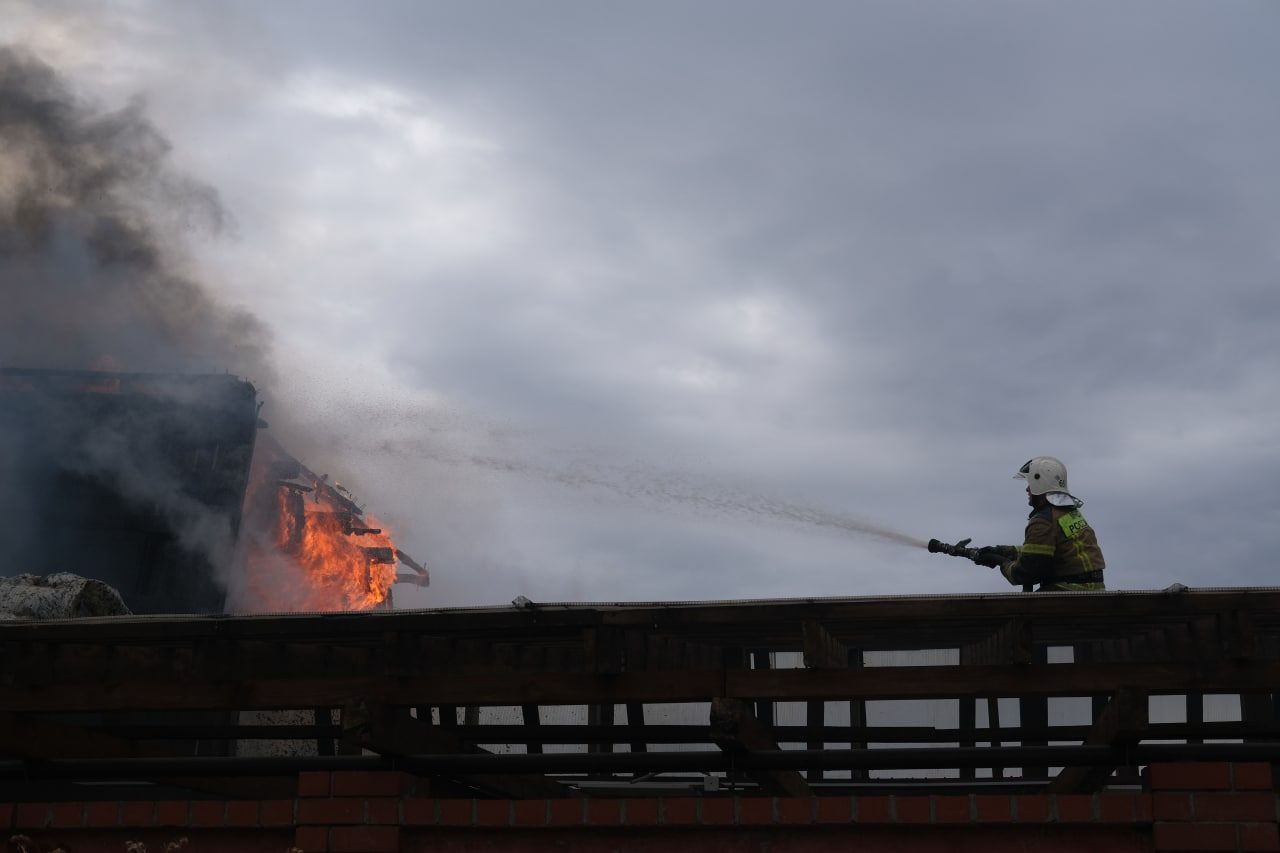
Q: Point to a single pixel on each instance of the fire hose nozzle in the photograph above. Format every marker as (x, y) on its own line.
(937, 546)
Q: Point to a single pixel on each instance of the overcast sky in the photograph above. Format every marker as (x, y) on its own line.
(690, 300)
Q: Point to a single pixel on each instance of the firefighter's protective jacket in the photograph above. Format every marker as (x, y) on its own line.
(1060, 552)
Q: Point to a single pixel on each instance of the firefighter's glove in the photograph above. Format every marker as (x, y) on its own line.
(990, 556)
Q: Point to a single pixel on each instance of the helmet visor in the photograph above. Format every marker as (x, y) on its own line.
(1023, 471)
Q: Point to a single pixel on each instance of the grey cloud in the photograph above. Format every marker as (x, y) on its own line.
(1004, 229)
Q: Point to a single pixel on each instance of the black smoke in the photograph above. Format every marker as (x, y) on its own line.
(92, 272)
(147, 475)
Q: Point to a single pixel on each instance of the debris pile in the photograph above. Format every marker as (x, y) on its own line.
(61, 595)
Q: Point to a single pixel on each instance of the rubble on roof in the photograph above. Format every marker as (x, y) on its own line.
(61, 595)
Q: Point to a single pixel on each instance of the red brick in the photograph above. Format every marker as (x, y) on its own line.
(364, 839)
(369, 784)
(382, 810)
(1251, 776)
(313, 783)
(171, 813)
(638, 812)
(1235, 807)
(311, 839)
(31, 816)
(717, 811)
(275, 812)
(1074, 808)
(604, 812)
(457, 812)
(330, 811)
(1194, 836)
(1171, 806)
(755, 811)
(993, 808)
(568, 812)
(67, 815)
(1259, 836)
(135, 815)
(796, 810)
(420, 812)
(1190, 776)
(834, 810)
(1116, 808)
(242, 813)
(1143, 811)
(530, 813)
(208, 813)
(679, 810)
(875, 809)
(493, 813)
(952, 809)
(98, 815)
(912, 810)
(1032, 808)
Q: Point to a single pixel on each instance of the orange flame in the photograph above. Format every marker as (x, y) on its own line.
(349, 562)
(311, 548)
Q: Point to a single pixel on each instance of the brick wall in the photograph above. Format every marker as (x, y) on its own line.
(1199, 806)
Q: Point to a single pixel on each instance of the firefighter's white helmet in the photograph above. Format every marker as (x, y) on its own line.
(1043, 474)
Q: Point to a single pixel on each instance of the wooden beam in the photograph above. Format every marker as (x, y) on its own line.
(23, 737)
(1033, 712)
(635, 724)
(392, 731)
(887, 622)
(531, 717)
(857, 719)
(1121, 725)
(737, 731)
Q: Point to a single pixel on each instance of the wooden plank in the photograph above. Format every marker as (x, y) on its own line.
(1208, 635)
(986, 652)
(1241, 638)
(1010, 643)
(600, 714)
(604, 649)
(894, 618)
(857, 718)
(993, 725)
(761, 685)
(821, 650)
(764, 708)
(324, 745)
(815, 716)
(635, 722)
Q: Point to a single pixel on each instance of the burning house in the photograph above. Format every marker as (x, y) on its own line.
(308, 546)
(159, 486)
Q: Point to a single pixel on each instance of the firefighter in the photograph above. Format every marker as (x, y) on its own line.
(1060, 550)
